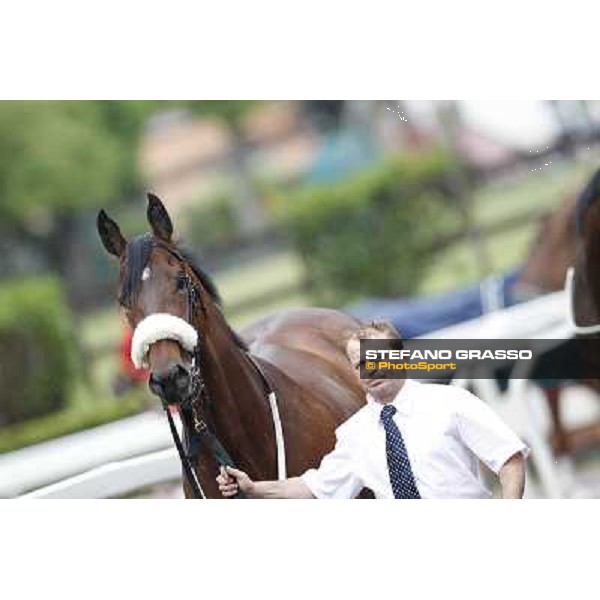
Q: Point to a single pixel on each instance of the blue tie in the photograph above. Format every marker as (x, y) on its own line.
(401, 475)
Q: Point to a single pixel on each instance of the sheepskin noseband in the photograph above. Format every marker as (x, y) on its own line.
(160, 326)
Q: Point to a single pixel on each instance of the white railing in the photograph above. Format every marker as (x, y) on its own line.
(116, 478)
(27, 469)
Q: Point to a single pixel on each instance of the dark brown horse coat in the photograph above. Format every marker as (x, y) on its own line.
(302, 354)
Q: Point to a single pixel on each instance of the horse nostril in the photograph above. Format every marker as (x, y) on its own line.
(156, 384)
(171, 385)
(181, 378)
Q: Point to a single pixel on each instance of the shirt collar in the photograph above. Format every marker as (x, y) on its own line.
(403, 400)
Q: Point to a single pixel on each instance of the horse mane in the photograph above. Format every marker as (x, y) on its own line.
(207, 283)
(139, 250)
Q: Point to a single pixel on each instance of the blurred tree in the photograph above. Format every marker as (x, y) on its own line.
(54, 163)
(53, 159)
(125, 121)
(59, 159)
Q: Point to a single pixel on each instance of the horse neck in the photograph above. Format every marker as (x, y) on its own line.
(236, 394)
(552, 252)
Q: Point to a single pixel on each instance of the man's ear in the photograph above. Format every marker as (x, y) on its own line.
(110, 234)
(159, 219)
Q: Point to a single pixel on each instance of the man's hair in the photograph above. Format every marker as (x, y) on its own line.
(375, 329)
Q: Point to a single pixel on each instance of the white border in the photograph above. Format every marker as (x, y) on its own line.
(299, 549)
(261, 49)
(101, 549)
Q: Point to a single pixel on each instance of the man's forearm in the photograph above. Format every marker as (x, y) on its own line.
(512, 477)
(288, 488)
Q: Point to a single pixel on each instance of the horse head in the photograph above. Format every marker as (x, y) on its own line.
(163, 297)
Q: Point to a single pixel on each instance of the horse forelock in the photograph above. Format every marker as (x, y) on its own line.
(137, 258)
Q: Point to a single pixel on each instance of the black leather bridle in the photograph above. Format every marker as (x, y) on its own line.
(196, 431)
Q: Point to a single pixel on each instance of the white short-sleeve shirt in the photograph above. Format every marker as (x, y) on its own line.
(446, 431)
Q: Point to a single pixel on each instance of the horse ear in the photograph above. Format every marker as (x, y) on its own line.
(110, 234)
(159, 219)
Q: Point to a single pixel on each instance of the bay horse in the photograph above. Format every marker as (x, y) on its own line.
(297, 354)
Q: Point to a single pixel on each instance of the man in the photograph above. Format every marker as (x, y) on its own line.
(411, 440)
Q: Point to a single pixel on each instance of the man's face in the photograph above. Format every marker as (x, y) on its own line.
(382, 390)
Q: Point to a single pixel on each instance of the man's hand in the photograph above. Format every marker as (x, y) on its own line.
(231, 480)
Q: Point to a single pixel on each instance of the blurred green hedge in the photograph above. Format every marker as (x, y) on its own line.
(211, 224)
(68, 421)
(372, 234)
(37, 353)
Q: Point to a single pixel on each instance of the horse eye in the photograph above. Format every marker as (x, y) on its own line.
(181, 281)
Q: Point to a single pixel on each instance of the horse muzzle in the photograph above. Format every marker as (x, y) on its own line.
(172, 385)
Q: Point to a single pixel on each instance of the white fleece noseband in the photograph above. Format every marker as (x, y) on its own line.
(160, 326)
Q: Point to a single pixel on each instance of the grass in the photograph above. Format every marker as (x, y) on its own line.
(267, 274)
(246, 317)
(76, 417)
(544, 189)
(500, 200)
(457, 267)
(102, 327)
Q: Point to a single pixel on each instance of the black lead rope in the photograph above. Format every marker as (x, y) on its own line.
(197, 437)
(190, 473)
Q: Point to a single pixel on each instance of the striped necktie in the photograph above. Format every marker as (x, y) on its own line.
(401, 475)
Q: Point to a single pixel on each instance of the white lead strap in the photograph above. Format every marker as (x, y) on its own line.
(569, 287)
(279, 442)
